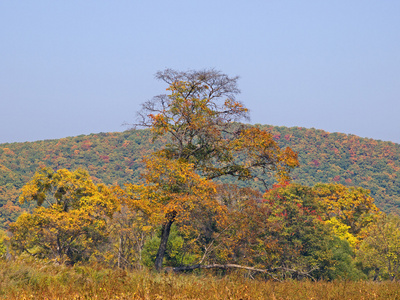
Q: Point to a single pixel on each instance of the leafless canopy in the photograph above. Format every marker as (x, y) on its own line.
(212, 85)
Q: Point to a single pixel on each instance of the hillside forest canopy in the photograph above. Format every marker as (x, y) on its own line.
(198, 189)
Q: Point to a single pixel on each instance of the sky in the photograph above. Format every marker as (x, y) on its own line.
(79, 67)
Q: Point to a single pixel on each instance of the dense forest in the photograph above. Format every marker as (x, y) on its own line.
(117, 158)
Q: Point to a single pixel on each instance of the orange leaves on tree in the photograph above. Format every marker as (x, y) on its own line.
(198, 116)
(172, 187)
(262, 154)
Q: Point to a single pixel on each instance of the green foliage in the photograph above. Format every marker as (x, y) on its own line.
(117, 158)
(346, 159)
(303, 238)
(3, 249)
(175, 254)
(306, 214)
(344, 262)
(379, 253)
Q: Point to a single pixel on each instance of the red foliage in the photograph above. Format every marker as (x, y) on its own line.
(316, 162)
(86, 145)
(106, 158)
(277, 136)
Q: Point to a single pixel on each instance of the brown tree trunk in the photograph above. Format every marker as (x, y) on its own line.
(59, 250)
(165, 231)
(120, 251)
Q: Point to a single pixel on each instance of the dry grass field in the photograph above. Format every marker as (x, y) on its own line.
(46, 281)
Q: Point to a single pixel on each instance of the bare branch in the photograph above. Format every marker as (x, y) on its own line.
(220, 266)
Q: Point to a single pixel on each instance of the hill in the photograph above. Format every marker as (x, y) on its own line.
(346, 159)
(116, 158)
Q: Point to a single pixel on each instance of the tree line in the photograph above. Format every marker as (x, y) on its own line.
(117, 158)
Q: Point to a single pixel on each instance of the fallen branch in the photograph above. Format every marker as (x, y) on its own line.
(219, 266)
(302, 273)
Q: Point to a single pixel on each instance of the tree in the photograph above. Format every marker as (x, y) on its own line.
(172, 191)
(69, 221)
(3, 249)
(349, 210)
(302, 236)
(129, 231)
(243, 234)
(379, 252)
(199, 117)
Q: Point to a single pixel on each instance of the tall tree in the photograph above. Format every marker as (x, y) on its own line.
(199, 117)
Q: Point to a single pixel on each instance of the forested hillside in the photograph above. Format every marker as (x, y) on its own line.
(116, 158)
(346, 159)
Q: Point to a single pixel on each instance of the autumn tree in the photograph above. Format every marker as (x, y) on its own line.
(70, 218)
(243, 234)
(302, 236)
(172, 191)
(349, 210)
(199, 116)
(129, 230)
(3, 249)
(379, 252)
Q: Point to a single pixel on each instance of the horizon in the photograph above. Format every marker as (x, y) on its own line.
(108, 132)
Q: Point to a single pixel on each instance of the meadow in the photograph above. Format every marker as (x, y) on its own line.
(39, 280)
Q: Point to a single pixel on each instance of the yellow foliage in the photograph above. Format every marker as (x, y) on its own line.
(172, 187)
(73, 220)
(342, 231)
(350, 209)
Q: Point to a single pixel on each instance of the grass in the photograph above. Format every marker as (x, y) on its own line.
(23, 280)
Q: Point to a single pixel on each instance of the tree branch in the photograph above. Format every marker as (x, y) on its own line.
(220, 266)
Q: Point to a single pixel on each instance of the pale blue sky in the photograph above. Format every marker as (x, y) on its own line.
(80, 67)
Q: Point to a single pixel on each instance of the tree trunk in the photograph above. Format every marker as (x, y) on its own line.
(120, 252)
(59, 250)
(165, 230)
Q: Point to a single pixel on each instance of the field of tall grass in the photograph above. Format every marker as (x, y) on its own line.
(32, 280)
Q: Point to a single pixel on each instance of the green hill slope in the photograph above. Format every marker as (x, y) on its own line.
(116, 158)
(346, 159)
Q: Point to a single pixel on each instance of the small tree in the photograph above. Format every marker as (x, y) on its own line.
(70, 219)
(379, 252)
(3, 249)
